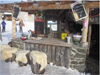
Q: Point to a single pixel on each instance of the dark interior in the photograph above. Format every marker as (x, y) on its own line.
(94, 48)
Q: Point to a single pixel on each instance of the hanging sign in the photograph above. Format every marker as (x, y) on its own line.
(78, 11)
(16, 12)
(39, 17)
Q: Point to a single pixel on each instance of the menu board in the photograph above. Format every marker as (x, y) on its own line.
(16, 12)
(78, 11)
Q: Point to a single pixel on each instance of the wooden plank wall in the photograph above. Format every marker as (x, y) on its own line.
(58, 55)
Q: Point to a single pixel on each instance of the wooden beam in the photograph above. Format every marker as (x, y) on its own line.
(45, 5)
(2, 11)
(85, 28)
(93, 4)
(29, 11)
(49, 6)
(45, 26)
(60, 12)
(67, 27)
(51, 14)
(13, 27)
(89, 37)
(59, 27)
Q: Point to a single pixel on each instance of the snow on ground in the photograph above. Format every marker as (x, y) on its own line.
(13, 68)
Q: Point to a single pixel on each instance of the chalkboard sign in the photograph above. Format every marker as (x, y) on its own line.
(16, 12)
(78, 11)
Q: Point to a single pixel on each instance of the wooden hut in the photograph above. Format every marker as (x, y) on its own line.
(61, 12)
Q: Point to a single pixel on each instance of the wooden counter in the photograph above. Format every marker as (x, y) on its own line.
(49, 41)
(58, 51)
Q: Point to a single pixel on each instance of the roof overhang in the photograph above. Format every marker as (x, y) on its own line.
(45, 5)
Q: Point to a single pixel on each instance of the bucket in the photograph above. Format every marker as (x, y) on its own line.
(68, 39)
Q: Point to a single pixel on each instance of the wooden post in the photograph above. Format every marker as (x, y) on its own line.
(45, 26)
(60, 23)
(0, 33)
(67, 28)
(13, 28)
(85, 28)
(59, 27)
(89, 37)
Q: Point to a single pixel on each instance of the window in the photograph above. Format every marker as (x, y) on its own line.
(53, 25)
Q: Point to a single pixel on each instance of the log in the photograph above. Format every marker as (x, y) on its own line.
(13, 27)
(31, 47)
(62, 56)
(67, 57)
(40, 48)
(53, 55)
(35, 68)
(44, 49)
(57, 56)
(85, 28)
(49, 54)
(89, 38)
(36, 46)
(26, 47)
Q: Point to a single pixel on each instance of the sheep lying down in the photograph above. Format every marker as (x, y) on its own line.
(21, 57)
(8, 53)
(3, 46)
(38, 58)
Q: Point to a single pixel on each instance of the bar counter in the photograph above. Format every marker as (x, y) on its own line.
(58, 52)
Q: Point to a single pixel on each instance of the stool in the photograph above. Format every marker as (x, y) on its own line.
(22, 57)
(38, 61)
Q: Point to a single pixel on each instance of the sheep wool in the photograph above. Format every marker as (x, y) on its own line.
(21, 56)
(7, 53)
(3, 46)
(40, 58)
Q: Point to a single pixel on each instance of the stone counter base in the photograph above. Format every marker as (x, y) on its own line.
(78, 57)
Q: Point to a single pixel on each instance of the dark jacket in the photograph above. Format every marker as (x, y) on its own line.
(3, 23)
(20, 24)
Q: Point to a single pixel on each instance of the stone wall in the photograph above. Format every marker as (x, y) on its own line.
(18, 43)
(78, 57)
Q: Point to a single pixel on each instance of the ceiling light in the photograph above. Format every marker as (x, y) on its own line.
(35, 4)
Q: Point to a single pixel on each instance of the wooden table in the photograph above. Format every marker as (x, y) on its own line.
(58, 51)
